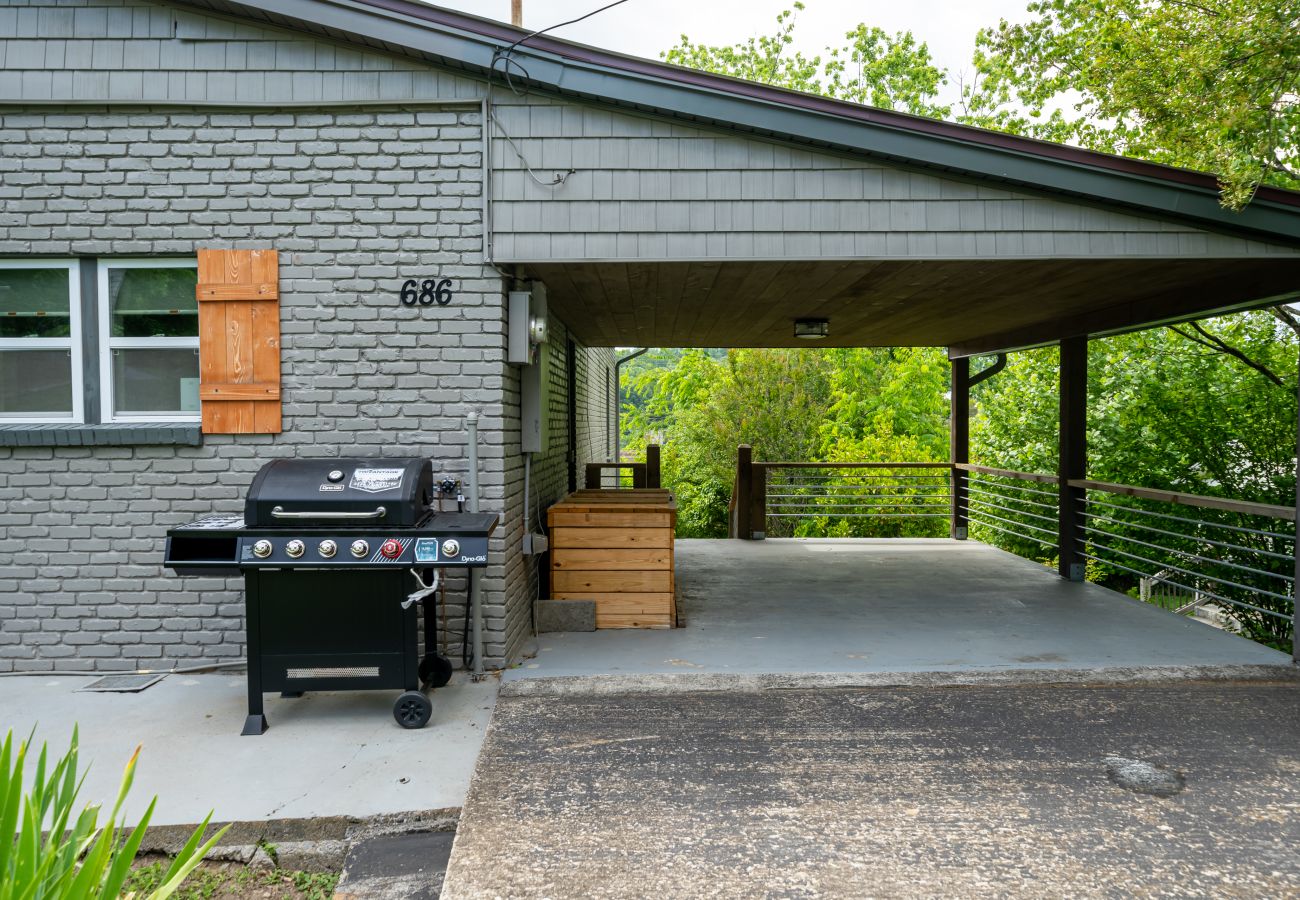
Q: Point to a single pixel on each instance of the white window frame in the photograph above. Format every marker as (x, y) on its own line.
(72, 343)
(108, 343)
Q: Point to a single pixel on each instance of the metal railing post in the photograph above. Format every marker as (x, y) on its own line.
(1073, 460)
(959, 444)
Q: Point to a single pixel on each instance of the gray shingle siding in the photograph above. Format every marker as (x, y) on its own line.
(646, 188)
(133, 51)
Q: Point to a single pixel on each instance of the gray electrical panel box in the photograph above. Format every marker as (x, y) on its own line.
(525, 324)
(534, 411)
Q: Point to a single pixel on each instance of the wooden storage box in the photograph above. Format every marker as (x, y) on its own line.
(616, 548)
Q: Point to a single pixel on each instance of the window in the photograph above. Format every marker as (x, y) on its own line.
(40, 341)
(149, 340)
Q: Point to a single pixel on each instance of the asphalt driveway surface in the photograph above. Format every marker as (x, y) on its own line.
(1164, 790)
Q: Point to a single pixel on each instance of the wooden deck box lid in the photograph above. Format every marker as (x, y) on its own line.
(616, 501)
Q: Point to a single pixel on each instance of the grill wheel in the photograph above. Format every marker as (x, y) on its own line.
(412, 710)
(435, 670)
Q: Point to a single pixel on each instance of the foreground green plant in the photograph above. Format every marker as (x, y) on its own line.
(47, 854)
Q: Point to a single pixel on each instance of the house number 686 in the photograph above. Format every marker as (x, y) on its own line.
(426, 292)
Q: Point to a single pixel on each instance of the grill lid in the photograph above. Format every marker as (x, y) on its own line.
(314, 493)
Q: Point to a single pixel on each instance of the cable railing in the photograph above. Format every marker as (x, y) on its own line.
(1017, 511)
(1236, 555)
(852, 499)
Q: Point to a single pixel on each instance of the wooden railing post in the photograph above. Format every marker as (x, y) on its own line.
(758, 503)
(743, 490)
(959, 443)
(652, 466)
(1073, 460)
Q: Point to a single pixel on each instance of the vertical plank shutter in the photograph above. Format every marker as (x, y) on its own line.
(239, 341)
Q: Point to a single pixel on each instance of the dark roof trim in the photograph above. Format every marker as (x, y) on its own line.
(468, 42)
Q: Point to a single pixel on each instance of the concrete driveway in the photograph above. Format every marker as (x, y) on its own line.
(1174, 789)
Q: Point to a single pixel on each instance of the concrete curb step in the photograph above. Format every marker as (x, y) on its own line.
(333, 844)
(693, 683)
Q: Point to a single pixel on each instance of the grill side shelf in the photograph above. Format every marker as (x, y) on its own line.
(202, 548)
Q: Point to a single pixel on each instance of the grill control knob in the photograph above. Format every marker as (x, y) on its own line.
(391, 549)
(295, 548)
(451, 547)
(262, 549)
(360, 549)
(327, 549)
(335, 475)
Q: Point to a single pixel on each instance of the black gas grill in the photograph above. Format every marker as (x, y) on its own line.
(336, 554)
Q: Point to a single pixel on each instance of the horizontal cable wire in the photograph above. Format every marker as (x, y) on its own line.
(1148, 512)
(1019, 487)
(1227, 545)
(1011, 522)
(942, 515)
(1162, 565)
(1270, 612)
(1015, 534)
(1051, 520)
(983, 489)
(1189, 555)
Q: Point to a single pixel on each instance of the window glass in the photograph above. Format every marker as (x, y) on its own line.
(155, 381)
(146, 302)
(35, 383)
(34, 303)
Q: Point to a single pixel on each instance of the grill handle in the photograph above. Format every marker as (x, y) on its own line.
(279, 512)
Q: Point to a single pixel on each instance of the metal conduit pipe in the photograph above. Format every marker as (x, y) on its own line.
(618, 401)
(475, 590)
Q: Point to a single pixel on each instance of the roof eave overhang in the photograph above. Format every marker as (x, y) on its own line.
(382, 22)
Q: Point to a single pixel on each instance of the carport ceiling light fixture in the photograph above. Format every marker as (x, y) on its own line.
(812, 329)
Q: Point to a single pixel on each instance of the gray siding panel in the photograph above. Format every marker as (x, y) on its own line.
(132, 50)
(648, 189)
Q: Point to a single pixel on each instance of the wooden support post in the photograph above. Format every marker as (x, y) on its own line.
(959, 443)
(744, 487)
(1073, 461)
(652, 479)
(758, 503)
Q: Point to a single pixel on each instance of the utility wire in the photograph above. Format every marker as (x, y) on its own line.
(507, 57)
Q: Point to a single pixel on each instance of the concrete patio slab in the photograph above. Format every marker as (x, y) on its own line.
(889, 605)
(1083, 790)
(326, 754)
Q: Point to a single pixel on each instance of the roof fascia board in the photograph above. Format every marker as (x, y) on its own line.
(1111, 321)
(1131, 192)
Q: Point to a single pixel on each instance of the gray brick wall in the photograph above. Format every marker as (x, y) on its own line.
(355, 201)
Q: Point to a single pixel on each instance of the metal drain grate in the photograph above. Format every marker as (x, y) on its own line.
(123, 684)
(335, 672)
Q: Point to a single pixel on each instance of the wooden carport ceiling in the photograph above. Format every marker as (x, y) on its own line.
(971, 305)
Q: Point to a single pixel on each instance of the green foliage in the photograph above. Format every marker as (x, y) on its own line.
(239, 881)
(1211, 85)
(1208, 408)
(47, 851)
(889, 71)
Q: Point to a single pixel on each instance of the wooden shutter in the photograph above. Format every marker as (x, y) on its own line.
(239, 341)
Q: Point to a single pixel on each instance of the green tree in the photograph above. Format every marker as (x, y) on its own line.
(872, 66)
(1210, 85)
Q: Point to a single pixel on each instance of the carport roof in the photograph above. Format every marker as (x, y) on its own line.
(472, 44)
(970, 305)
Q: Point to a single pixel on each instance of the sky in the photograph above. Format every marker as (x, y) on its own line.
(648, 27)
